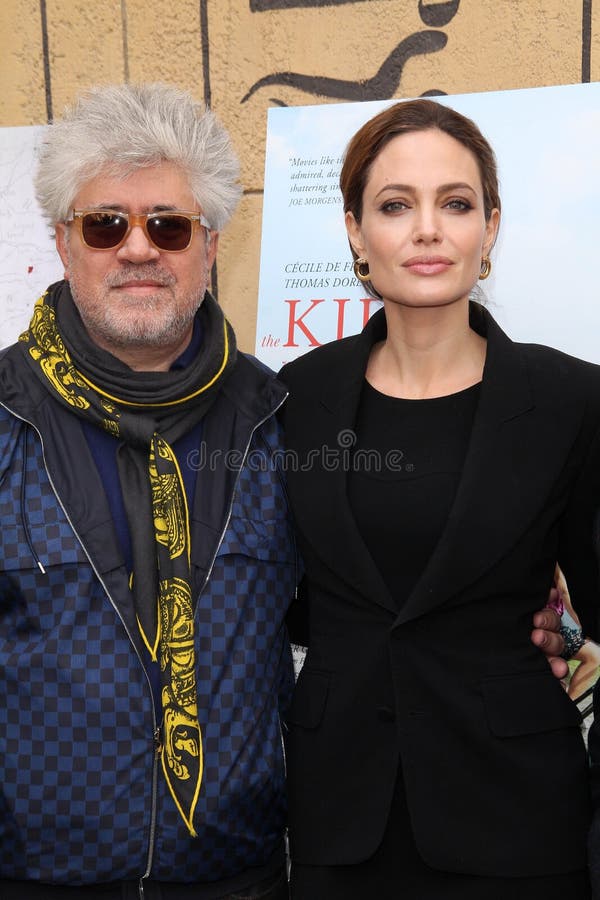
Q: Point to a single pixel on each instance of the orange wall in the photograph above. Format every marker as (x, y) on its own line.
(245, 55)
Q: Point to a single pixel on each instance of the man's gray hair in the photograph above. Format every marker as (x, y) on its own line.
(117, 129)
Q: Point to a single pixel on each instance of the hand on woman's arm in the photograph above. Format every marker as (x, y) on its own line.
(547, 637)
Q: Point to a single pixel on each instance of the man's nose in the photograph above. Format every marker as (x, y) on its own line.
(137, 247)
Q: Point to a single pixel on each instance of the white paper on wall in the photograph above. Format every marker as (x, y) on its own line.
(28, 258)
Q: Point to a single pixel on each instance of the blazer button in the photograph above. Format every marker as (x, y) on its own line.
(386, 714)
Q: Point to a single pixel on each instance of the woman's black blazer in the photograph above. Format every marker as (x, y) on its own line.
(448, 681)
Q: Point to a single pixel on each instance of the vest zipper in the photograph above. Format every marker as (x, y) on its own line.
(24, 516)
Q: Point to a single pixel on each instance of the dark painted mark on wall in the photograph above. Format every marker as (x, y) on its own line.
(382, 85)
(205, 50)
(124, 32)
(46, 55)
(586, 41)
(214, 273)
(436, 15)
(268, 5)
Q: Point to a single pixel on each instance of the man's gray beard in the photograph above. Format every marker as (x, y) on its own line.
(117, 326)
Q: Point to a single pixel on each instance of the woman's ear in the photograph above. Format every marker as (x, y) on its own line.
(491, 231)
(354, 234)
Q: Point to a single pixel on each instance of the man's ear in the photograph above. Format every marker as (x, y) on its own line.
(211, 250)
(62, 245)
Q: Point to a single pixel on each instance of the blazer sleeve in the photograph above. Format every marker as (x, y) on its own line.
(579, 549)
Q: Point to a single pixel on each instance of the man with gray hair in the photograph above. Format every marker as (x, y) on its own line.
(146, 553)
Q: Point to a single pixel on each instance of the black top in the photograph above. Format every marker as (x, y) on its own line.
(405, 469)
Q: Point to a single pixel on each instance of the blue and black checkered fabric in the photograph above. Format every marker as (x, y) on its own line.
(81, 800)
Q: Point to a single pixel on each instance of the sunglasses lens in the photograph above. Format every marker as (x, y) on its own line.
(102, 230)
(169, 232)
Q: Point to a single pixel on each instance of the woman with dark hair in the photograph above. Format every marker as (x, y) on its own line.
(459, 469)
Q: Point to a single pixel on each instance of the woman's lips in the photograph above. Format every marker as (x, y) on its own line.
(427, 265)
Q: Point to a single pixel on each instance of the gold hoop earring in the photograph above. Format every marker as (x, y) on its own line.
(486, 268)
(359, 267)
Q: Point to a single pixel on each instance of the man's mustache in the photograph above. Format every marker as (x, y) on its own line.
(140, 273)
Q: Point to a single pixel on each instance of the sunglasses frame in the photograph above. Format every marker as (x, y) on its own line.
(197, 221)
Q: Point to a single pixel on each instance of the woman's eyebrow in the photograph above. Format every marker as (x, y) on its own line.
(441, 189)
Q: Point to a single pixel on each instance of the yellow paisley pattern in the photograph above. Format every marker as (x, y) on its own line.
(48, 350)
(182, 747)
(168, 502)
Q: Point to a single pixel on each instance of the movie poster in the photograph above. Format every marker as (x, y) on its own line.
(542, 286)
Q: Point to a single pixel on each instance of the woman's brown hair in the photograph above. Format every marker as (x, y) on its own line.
(403, 118)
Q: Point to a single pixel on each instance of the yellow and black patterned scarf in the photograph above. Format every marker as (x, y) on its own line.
(146, 412)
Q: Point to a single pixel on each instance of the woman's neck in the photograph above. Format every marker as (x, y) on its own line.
(427, 353)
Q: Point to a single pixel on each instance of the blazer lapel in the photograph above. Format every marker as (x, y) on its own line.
(513, 457)
(334, 533)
